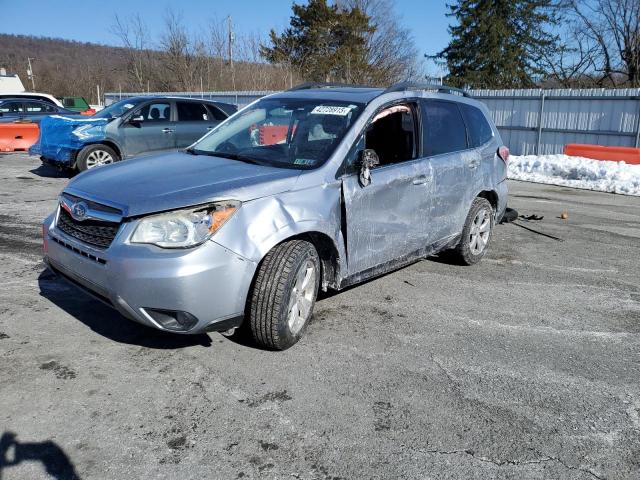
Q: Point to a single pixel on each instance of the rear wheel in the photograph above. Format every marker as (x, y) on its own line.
(476, 233)
(93, 156)
(283, 295)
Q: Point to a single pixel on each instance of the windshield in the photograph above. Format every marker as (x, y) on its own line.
(117, 109)
(289, 133)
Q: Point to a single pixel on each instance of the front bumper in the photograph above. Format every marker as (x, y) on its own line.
(66, 162)
(209, 282)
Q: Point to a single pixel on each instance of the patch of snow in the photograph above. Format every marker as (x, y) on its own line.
(576, 172)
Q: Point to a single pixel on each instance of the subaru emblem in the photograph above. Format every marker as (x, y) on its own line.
(79, 210)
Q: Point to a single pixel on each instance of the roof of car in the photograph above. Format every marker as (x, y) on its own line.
(347, 94)
(141, 98)
(363, 93)
(22, 99)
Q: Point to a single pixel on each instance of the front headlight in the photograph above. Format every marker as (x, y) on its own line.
(184, 228)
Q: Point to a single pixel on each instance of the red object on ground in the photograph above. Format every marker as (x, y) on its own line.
(17, 137)
(598, 152)
(88, 112)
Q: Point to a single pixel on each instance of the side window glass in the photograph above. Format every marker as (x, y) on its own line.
(192, 112)
(216, 113)
(392, 134)
(352, 157)
(11, 107)
(479, 129)
(35, 107)
(443, 130)
(155, 112)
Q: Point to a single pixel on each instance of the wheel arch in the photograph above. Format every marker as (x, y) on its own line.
(491, 196)
(329, 257)
(327, 251)
(107, 142)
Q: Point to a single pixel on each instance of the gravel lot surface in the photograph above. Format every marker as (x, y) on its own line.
(524, 366)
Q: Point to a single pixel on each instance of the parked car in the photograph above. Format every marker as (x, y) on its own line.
(21, 110)
(126, 129)
(77, 104)
(44, 97)
(242, 228)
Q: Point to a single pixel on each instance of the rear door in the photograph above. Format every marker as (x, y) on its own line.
(194, 120)
(444, 139)
(34, 111)
(149, 128)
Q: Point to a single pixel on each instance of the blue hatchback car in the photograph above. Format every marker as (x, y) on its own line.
(125, 129)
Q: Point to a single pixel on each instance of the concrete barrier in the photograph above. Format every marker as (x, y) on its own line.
(18, 137)
(598, 152)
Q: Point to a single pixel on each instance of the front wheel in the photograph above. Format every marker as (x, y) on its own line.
(284, 293)
(93, 156)
(476, 233)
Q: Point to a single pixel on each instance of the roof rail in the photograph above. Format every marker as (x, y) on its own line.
(399, 87)
(310, 85)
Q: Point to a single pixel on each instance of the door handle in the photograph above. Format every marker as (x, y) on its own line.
(421, 180)
(167, 130)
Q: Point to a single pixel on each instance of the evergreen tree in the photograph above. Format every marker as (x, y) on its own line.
(325, 42)
(498, 43)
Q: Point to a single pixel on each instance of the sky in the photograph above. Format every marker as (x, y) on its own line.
(91, 20)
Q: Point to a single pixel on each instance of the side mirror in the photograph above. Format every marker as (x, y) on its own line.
(368, 160)
(137, 120)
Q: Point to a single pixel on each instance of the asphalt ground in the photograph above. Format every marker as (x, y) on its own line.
(524, 366)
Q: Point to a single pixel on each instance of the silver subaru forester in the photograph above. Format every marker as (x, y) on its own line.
(322, 186)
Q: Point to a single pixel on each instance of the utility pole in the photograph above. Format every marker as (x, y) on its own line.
(230, 40)
(30, 74)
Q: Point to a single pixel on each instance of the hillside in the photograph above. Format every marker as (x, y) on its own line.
(64, 67)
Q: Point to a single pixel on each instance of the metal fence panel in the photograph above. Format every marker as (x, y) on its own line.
(544, 121)
(530, 121)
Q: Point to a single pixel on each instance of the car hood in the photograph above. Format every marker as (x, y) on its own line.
(177, 179)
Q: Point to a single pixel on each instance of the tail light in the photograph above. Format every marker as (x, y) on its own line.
(503, 153)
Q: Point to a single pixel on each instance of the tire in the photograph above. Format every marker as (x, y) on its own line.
(283, 294)
(476, 234)
(93, 156)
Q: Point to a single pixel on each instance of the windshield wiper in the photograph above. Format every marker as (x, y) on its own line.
(230, 156)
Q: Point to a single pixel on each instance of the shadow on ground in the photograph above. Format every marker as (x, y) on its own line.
(55, 462)
(47, 171)
(106, 321)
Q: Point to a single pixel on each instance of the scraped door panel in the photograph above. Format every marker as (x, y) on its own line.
(386, 219)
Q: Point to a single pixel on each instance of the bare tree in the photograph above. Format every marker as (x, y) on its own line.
(391, 48)
(134, 36)
(613, 28)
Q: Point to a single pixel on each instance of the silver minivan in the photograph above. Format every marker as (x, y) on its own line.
(318, 187)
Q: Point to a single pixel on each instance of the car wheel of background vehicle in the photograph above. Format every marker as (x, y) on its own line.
(283, 295)
(476, 233)
(93, 156)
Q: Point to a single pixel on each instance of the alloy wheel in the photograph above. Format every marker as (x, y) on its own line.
(480, 231)
(302, 297)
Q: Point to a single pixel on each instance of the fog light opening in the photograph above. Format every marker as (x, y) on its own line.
(173, 320)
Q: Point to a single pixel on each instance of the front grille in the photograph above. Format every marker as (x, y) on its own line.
(74, 249)
(94, 232)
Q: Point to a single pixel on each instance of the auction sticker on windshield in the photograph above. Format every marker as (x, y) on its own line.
(330, 110)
